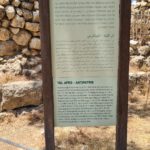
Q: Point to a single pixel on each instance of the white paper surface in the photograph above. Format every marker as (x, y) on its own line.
(85, 35)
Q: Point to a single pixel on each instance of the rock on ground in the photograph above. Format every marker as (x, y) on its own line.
(133, 43)
(19, 94)
(137, 61)
(144, 50)
(12, 67)
(138, 80)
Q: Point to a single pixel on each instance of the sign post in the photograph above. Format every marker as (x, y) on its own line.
(47, 74)
(123, 73)
(85, 51)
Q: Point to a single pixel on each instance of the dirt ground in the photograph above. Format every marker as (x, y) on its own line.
(23, 130)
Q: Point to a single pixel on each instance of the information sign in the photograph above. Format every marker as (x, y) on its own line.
(85, 46)
(85, 50)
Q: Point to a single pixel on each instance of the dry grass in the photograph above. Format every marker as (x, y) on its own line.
(26, 126)
(85, 138)
(133, 98)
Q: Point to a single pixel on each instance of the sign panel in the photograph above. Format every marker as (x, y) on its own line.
(85, 47)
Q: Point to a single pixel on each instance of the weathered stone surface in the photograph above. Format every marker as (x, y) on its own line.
(36, 16)
(143, 3)
(30, 72)
(21, 93)
(19, 11)
(34, 61)
(34, 27)
(27, 5)
(133, 44)
(12, 66)
(18, 22)
(132, 81)
(35, 43)
(16, 3)
(4, 2)
(26, 51)
(23, 61)
(22, 38)
(38, 68)
(0, 93)
(34, 52)
(2, 12)
(6, 116)
(144, 50)
(38, 60)
(36, 34)
(137, 61)
(36, 5)
(8, 48)
(10, 12)
(4, 34)
(1, 59)
(137, 80)
(15, 30)
(27, 14)
(5, 23)
(133, 51)
(147, 61)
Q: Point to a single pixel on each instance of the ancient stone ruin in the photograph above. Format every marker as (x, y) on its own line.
(140, 47)
(140, 35)
(20, 54)
(20, 47)
(20, 51)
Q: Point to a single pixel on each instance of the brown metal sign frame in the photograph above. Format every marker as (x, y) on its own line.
(122, 111)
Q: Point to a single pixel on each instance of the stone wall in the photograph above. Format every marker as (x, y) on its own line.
(20, 47)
